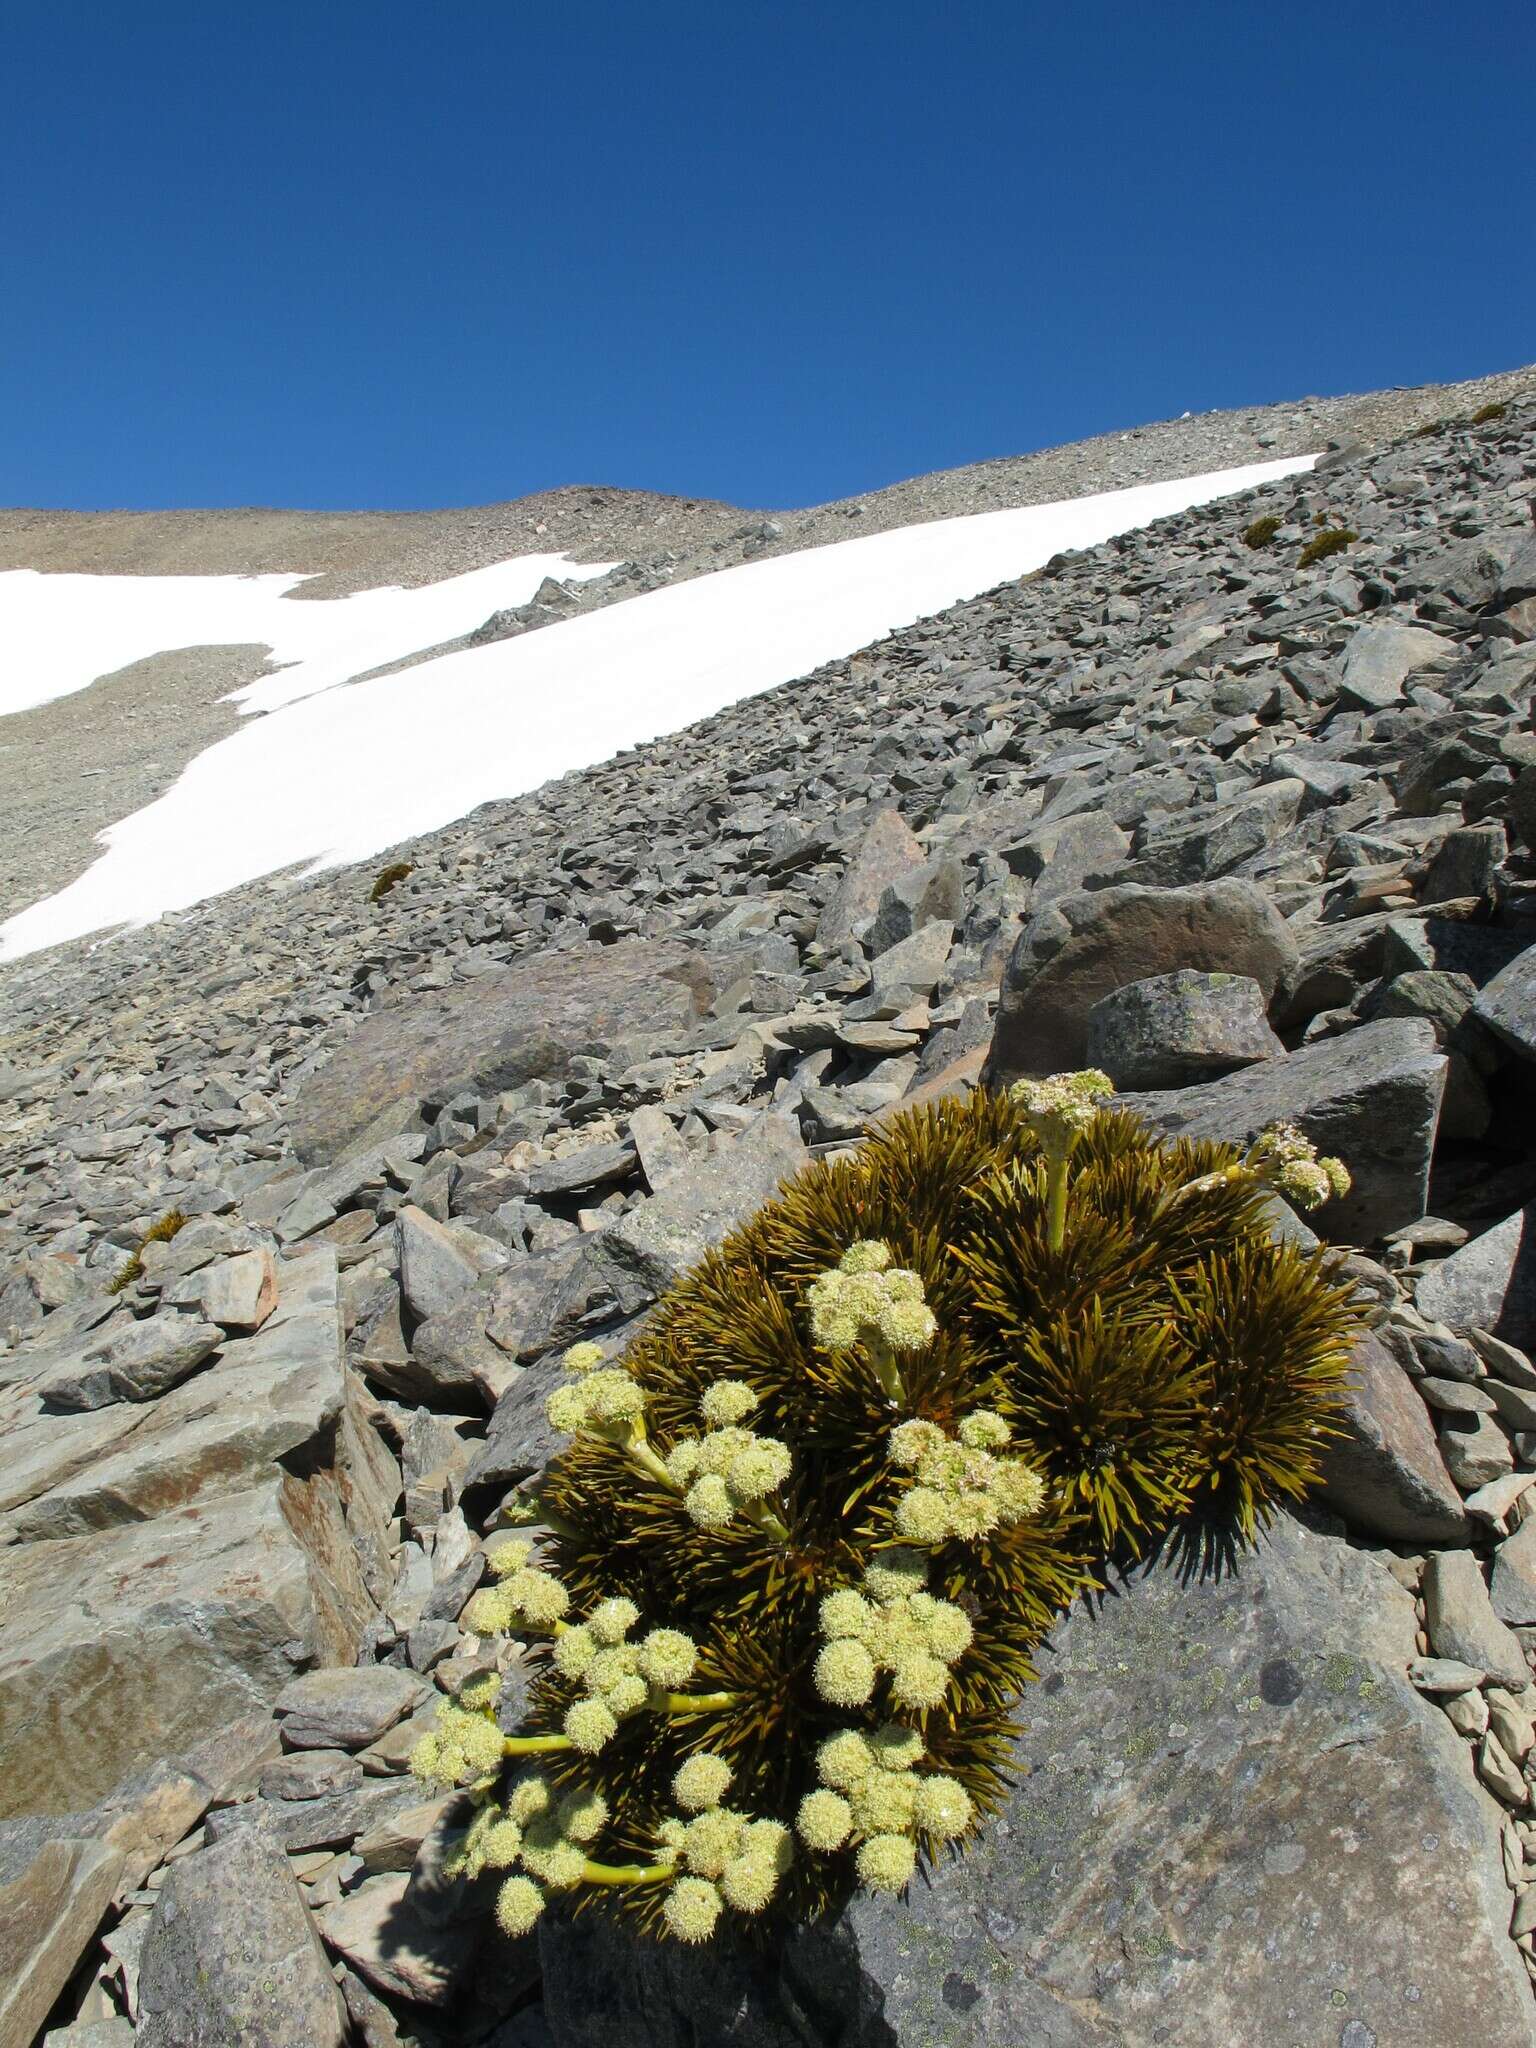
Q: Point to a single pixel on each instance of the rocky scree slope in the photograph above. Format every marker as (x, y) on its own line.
(1248, 821)
(71, 768)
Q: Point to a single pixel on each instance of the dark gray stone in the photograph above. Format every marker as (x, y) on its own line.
(1179, 1028)
(1490, 1284)
(346, 1709)
(1371, 1097)
(1508, 1004)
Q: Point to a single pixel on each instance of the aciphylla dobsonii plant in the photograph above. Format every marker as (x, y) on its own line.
(809, 1529)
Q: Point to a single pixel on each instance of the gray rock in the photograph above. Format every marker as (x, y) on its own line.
(1386, 1476)
(1232, 1808)
(1508, 1004)
(49, 1913)
(347, 1709)
(138, 1363)
(1176, 852)
(887, 851)
(1179, 1028)
(906, 972)
(196, 1617)
(400, 1950)
(931, 894)
(491, 1033)
(310, 1774)
(232, 1956)
(520, 1440)
(1512, 1581)
(1381, 657)
(1066, 855)
(434, 1272)
(1461, 1623)
(239, 1293)
(1371, 1098)
(1476, 1451)
(1082, 947)
(1490, 1284)
(1466, 864)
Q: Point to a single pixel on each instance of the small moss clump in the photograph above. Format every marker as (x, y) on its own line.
(388, 878)
(1493, 411)
(158, 1233)
(1331, 541)
(1262, 531)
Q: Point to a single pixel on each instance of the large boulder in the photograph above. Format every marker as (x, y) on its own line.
(1075, 951)
(492, 1033)
(1372, 1097)
(1234, 1821)
(1179, 1028)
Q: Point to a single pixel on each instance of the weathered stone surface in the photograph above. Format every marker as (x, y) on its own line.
(434, 1273)
(154, 1633)
(1236, 1823)
(49, 1912)
(1177, 1029)
(1372, 1098)
(385, 1936)
(274, 1394)
(931, 894)
(232, 1957)
(138, 1363)
(1508, 1004)
(1461, 1623)
(1073, 953)
(239, 1293)
(347, 1709)
(521, 1439)
(490, 1033)
(1386, 1477)
(888, 850)
(1512, 1582)
(1490, 1284)
(1381, 657)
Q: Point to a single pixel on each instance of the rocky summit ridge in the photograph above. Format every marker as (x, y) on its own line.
(1241, 808)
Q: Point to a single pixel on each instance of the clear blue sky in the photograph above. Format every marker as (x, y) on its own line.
(333, 254)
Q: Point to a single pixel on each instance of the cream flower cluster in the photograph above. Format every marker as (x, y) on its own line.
(866, 1296)
(962, 1489)
(894, 1625)
(1063, 1107)
(618, 1677)
(465, 1742)
(523, 1595)
(604, 1400)
(1289, 1162)
(871, 1794)
(546, 1833)
(727, 1858)
(729, 1467)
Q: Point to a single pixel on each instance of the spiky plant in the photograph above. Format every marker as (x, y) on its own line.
(808, 1532)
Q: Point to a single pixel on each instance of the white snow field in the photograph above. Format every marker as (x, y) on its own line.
(59, 634)
(333, 774)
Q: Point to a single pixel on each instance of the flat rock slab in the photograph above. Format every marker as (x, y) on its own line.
(491, 1033)
(49, 1912)
(232, 1956)
(1236, 1823)
(1174, 1030)
(140, 1641)
(1079, 949)
(1489, 1284)
(1372, 1097)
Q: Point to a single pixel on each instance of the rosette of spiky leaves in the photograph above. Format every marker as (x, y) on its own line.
(1274, 1334)
(956, 1191)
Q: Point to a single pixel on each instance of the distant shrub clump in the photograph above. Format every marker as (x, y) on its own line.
(1331, 541)
(1262, 531)
(388, 878)
(1493, 411)
(157, 1233)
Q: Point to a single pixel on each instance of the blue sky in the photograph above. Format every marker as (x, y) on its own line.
(413, 255)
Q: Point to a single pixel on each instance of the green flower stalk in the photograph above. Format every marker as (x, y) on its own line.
(1059, 1112)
